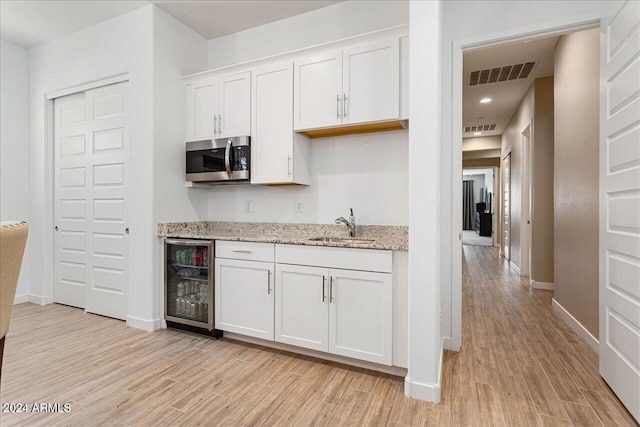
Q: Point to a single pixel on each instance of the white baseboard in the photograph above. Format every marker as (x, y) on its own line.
(422, 391)
(148, 325)
(416, 390)
(547, 286)
(40, 299)
(515, 267)
(576, 326)
(448, 344)
(20, 299)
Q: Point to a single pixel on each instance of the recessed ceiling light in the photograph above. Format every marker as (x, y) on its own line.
(485, 100)
(477, 133)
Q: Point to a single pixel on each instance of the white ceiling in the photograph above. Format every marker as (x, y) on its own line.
(506, 96)
(30, 23)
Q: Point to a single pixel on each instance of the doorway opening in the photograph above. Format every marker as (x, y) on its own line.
(478, 206)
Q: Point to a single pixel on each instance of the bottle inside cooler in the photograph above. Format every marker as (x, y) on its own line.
(188, 282)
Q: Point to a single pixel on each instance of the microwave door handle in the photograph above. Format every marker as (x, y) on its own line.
(227, 158)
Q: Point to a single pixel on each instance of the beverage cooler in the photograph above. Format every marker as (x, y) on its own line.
(188, 285)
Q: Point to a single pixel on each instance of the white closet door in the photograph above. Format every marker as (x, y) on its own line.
(91, 201)
(620, 204)
(70, 207)
(107, 278)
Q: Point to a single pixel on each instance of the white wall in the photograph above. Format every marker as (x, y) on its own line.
(14, 145)
(119, 45)
(319, 26)
(367, 172)
(461, 24)
(425, 344)
(177, 51)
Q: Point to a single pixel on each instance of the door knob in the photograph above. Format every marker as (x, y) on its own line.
(56, 228)
(126, 230)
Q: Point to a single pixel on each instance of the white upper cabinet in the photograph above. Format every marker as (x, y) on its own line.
(353, 86)
(219, 107)
(318, 91)
(278, 154)
(235, 105)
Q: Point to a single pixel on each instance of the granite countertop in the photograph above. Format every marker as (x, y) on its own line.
(390, 237)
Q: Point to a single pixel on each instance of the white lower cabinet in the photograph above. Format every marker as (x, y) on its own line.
(244, 293)
(340, 311)
(361, 315)
(302, 314)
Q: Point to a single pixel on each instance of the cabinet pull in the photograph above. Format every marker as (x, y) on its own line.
(289, 165)
(337, 106)
(269, 283)
(215, 124)
(330, 289)
(219, 123)
(346, 105)
(324, 279)
(241, 251)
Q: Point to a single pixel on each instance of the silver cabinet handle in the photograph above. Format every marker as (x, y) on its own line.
(215, 124)
(219, 123)
(269, 283)
(324, 279)
(337, 106)
(346, 105)
(330, 289)
(241, 251)
(289, 165)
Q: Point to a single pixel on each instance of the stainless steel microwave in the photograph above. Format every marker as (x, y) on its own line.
(219, 161)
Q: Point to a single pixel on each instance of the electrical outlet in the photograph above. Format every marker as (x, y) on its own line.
(248, 206)
(299, 208)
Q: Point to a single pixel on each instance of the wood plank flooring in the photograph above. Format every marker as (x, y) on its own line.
(520, 365)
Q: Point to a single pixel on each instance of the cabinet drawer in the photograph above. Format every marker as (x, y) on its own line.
(251, 251)
(347, 258)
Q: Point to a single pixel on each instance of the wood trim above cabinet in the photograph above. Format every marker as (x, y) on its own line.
(355, 129)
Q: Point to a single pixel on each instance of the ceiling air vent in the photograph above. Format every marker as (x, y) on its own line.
(501, 74)
(480, 128)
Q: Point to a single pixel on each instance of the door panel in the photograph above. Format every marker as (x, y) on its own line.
(620, 204)
(235, 105)
(360, 315)
(272, 108)
(244, 297)
(371, 82)
(506, 207)
(318, 91)
(202, 98)
(70, 205)
(301, 306)
(91, 155)
(107, 290)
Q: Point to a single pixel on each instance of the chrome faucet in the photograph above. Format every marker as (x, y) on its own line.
(350, 223)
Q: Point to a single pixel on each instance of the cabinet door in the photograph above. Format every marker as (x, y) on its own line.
(235, 105)
(272, 129)
(360, 315)
(202, 104)
(301, 306)
(318, 91)
(244, 297)
(371, 82)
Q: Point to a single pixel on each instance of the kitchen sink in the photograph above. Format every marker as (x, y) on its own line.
(340, 240)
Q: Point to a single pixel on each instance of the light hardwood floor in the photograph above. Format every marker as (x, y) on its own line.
(520, 365)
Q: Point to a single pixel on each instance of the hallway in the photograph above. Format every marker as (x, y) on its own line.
(520, 363)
